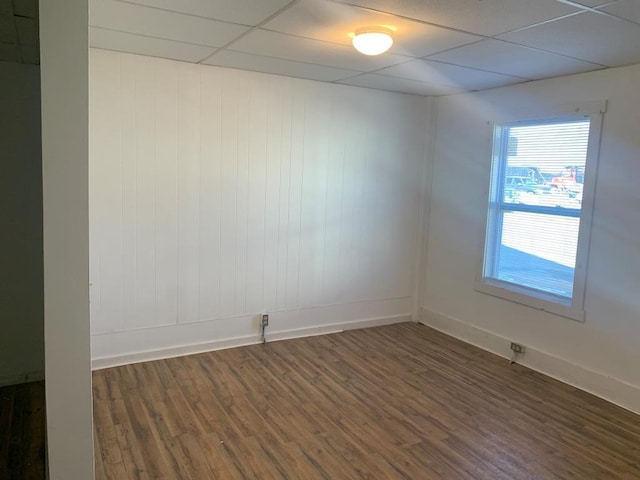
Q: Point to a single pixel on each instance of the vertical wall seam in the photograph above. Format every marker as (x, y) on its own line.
(342, 189)
(264, 210)
(425, 212)
(219, 133)
(178, 172)
(235, 250)
(326, 208)
(279, 203)
(199, 192)
(289, 190)
(249, 168)
(304, 134)
(135, 210)
(122, 224)
(155, 179)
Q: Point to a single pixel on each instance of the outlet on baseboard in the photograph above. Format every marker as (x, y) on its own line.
(265, 320)
(517, 348)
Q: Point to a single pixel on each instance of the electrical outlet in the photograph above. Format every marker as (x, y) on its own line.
(265, 320)
(517, 348)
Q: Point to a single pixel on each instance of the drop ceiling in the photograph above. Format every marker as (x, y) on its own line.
(440, 46)
(19, 31)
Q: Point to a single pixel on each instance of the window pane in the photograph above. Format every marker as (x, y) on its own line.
(545, 163)
(538, 251)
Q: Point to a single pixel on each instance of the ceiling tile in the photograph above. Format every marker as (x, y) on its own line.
(126, 17)
(452, 75)
(27, 31)
(26, 8)
(509, 59)
(439, 45)
(382, 82)
(274, 44)
(590, 36)
(8, 32)
(9, 52)
(336, 22)
(486, 17)
(592, 3)
(278, 66)
(154, 47)
(245, 12)
(629, 9)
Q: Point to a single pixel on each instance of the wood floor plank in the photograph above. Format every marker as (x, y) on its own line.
(395, 402)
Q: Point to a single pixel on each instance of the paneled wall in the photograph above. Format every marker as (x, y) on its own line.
(217, 194)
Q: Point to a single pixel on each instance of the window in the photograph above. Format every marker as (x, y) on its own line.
(539, 215)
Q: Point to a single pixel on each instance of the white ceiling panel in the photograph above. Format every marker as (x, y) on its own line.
(592, 3)
(509, 59)
(245, 12)
(336, 22)
(382, 82)
(629, 9)
(440, 46)
(590, 36)
(274, 44)
(126, 17)
(452, 75)
(278, 66)
(484, 17)
(154, 47)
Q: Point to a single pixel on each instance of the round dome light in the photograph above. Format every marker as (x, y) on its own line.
(372, 40)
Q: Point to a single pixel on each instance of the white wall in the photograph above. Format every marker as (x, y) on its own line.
(64, 90)
(21, 297)
(217, 194)
(602, 354)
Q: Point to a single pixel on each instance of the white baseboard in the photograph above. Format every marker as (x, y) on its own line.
(16, 379)
(171, 352)
(601, 385)
(337, 327)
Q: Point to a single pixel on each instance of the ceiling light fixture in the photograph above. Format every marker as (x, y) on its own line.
(372, 40)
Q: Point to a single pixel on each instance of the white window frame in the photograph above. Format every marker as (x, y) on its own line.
(572, 308)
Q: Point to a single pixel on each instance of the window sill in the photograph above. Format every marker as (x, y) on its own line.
(529, 298)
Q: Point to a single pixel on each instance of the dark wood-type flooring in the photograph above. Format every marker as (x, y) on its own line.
(22, 432)
(395, 402)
